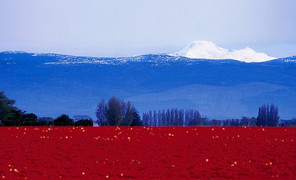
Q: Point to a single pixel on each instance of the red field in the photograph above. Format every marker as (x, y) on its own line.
(145, 152)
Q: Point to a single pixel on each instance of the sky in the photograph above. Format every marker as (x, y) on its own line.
(112, 28)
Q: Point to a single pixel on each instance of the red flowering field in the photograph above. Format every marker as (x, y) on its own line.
(147, 152)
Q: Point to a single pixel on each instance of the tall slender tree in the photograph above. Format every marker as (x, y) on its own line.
(268, 115)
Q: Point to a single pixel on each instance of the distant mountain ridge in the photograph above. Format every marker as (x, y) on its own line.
(52, 84)
(157, 58)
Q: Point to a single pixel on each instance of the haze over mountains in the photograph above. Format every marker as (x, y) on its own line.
(52, 84)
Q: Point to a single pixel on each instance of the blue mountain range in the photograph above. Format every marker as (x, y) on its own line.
(53, 84)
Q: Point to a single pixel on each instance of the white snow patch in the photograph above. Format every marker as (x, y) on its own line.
(208, 50)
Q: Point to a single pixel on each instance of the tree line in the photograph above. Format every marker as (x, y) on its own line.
(10, 115)
(117, 112)
(175, 117)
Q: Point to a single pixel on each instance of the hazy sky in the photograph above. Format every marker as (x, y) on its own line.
(130, 27)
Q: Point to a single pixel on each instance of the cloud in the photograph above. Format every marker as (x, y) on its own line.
(208, 50)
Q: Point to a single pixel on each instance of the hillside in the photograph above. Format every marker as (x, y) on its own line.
(52, 84)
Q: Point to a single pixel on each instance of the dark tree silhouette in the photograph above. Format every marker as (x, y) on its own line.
(6, 108)
(268, 116)
(137, 120)
(84, 122)
(63, 120)
(116, 112)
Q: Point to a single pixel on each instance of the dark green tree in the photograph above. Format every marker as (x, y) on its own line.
(6, 108)
(12, 116)
(137, 120)
(63, 120)
(14, 119)
(84, 122)
(29, 119)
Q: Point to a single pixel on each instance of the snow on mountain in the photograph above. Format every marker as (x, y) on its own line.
(208, 50)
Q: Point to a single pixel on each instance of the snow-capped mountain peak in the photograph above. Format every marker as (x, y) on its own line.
(208, 50)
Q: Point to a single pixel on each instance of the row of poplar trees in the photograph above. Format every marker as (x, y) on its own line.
(172, 117)
(267, 116)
